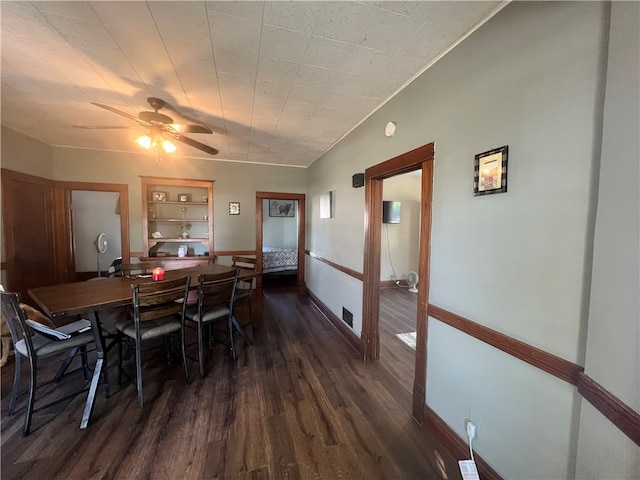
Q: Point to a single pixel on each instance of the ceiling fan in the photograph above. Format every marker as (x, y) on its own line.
(160, 129)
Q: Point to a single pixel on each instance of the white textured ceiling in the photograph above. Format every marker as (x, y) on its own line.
(278, 82)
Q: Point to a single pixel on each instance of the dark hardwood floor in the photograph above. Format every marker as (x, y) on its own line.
(398, 309)
(299, 404)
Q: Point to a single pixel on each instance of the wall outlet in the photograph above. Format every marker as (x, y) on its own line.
(471, 430)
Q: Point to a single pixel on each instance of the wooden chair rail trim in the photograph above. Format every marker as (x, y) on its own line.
(231, 253)
(346, 270)
(219, 253)
(352, 339)
(453, 444)
(616, 411)
(552, 364)
(621, 415)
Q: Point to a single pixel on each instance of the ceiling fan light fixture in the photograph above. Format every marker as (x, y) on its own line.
(168, 147)
(144, 141)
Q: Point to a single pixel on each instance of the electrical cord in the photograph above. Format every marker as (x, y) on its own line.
(393, 270)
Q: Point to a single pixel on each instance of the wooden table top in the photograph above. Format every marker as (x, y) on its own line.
(79, 297)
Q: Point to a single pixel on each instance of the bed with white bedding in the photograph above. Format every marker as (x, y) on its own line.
(275, 259)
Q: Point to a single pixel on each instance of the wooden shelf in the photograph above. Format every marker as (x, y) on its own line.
(198, 204)
(170, 213)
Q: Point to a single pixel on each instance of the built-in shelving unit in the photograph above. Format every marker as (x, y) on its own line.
(177, 212)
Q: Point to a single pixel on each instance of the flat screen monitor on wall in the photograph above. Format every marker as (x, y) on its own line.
(390, 212)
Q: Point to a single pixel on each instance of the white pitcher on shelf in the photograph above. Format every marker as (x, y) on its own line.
(182, 250)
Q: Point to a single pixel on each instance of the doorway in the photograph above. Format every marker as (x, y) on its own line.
(280, 197)
(94, 214)
(419, 159)
(117, 202)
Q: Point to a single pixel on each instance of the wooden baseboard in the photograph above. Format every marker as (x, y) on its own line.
(344, 331)
(455, 446)
(387, 284)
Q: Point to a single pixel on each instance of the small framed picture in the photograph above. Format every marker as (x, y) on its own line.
(234, 208)
(325, 205)
(184, 197)
(159, 196)
(490, 172)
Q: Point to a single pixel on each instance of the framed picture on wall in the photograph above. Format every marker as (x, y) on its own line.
(325, 205)
(159, 196)
(234, 208)
(282, 208)
(490, 172)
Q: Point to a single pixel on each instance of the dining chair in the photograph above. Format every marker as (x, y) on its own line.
(244, 289)
(37, 347)
(214, 306)
(158, 311)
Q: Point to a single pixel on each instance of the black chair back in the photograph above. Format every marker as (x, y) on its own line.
(16, 320)
(153, 300)
(216, 289)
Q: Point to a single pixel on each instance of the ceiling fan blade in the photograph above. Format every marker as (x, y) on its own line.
(211, 129)
(178, 128)
(124, 114)
(195, 144)
(96, 127)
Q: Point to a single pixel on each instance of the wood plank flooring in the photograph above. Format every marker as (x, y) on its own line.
(298, 404)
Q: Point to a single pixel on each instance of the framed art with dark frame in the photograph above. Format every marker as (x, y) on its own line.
(490, 172)
(234, 208)
(282, 208)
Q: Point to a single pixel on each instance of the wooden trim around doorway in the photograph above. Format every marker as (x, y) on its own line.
(418, 159)
(301, 217)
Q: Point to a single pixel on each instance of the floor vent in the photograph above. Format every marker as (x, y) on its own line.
(347, 316)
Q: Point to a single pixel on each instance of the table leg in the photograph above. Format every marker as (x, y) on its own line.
(97, 371)
(241, 330)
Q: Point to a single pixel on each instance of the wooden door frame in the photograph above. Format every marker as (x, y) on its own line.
(301, 199)
(65, 217)
(419, 159)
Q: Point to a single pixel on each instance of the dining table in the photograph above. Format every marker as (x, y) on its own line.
(90, 297)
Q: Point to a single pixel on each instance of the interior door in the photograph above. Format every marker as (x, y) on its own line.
(28, 231)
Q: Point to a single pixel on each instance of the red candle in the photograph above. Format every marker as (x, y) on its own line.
(158, 274)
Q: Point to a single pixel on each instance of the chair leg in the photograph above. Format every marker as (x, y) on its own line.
(120, 339)
(16, 383)
(210, 336)
(85, 364)
(230, 333)
(184, 355)
(32, 397)
(139, 373)
(65, 365)
(200, 349)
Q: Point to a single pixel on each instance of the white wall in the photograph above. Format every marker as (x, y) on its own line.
(94, 213)
(401, 241)
(613, 335)
(517, 262)
(26, 155)
(233, 182)
(279, 232)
